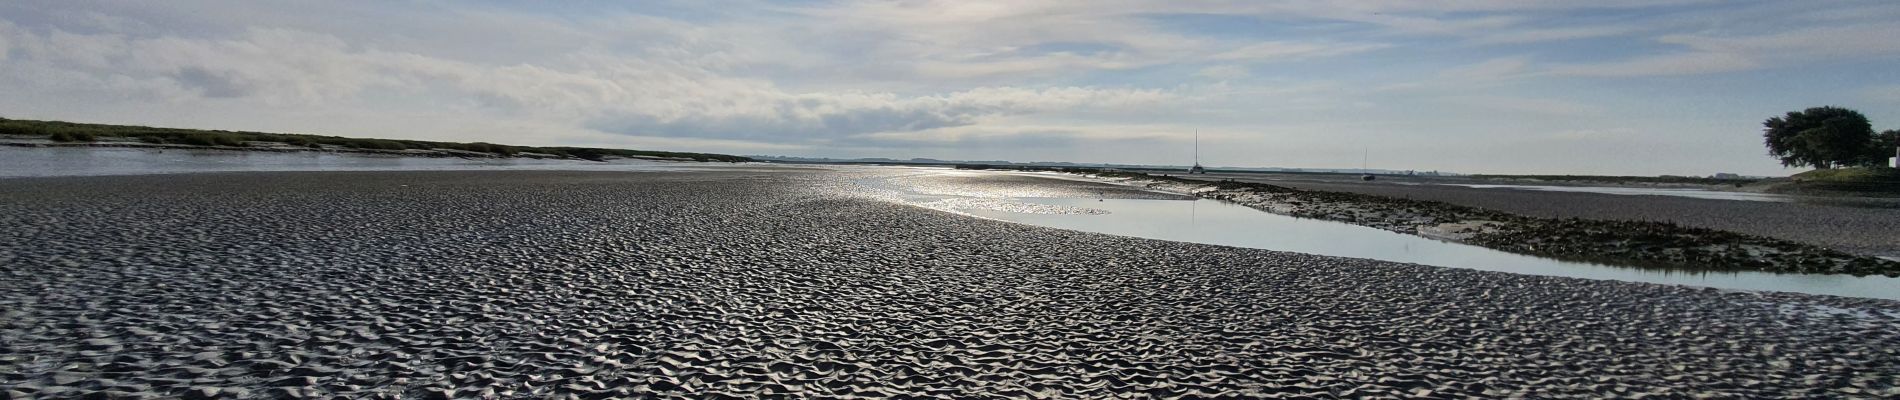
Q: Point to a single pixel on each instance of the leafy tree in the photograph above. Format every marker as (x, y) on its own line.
(1821, 137)
(1885, 145)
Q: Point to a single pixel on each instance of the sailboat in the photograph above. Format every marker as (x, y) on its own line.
(1366, 174)
(1197, 155)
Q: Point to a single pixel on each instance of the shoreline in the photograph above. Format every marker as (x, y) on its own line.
(1642, 244)
(38, 133)
(428, 153)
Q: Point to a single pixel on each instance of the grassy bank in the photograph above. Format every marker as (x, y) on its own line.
(1850, 175)
(1863, 181)
(60, 131)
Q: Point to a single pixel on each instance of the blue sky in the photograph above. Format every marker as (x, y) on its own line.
(1600, 87)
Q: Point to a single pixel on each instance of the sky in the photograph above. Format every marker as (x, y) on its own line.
(1476, 86)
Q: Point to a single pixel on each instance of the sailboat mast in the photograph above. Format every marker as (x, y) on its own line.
(1365, 168)
(1196, 169)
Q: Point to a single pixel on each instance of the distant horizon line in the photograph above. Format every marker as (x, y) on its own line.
(927, 160)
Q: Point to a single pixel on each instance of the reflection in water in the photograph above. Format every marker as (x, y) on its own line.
(1239, 226)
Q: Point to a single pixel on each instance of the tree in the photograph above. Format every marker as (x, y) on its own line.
(1821, 137)
(1887, 143)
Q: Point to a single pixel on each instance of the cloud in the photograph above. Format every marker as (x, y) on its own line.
(820, 116)
(1838, 41)
(1712, 54)
(1523, 36)
(1593, 135)
(1029, 135)
(1223, 72)
(1283, 50)
(1526, 105)
(616, 94)
(1667, 64)
(972, 78)
(1488, 70)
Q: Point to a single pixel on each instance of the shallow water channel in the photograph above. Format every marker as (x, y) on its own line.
(1215, 222)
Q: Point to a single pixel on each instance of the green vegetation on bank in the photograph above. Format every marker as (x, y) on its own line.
(60, 131)
(1862, 181)
(1850, 175)
(1827, 137)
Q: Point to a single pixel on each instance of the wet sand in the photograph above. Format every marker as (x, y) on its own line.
(761, 283)
(1870, 226)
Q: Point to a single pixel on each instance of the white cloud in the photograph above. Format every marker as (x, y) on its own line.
(1594, 135)
(1282, 50)
(1551, 34)
(1223, 72)
(881, 77)
(1488, 70)
(625, 95)
(1837, 41)
(1667, 64)
(1526, 105)
(1711, 54)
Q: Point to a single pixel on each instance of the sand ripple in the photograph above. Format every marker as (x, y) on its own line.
(715, 285)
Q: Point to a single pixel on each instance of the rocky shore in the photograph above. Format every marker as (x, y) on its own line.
(1650, 244)
(747, 284)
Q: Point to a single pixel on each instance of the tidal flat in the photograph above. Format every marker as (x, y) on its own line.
(1657, 243)
(804, 282)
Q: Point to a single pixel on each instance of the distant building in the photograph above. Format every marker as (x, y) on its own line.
(1725, 175)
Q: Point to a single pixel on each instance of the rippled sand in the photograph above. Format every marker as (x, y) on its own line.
(791, 283)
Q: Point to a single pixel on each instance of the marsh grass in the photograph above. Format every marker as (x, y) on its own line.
(1851, 175)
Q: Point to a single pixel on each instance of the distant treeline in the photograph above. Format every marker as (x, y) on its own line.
(1617, 179)
(60, 131)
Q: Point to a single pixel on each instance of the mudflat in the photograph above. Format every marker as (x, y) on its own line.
(769, 282)
(1862, 226)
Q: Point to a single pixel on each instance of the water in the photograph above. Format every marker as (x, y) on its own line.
(1199, 221)
(1214, 222)
(1636, 191)
(18, 162)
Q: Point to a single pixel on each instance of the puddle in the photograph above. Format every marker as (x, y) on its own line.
(39, 162)
(1214, 222)
(1633, 191)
